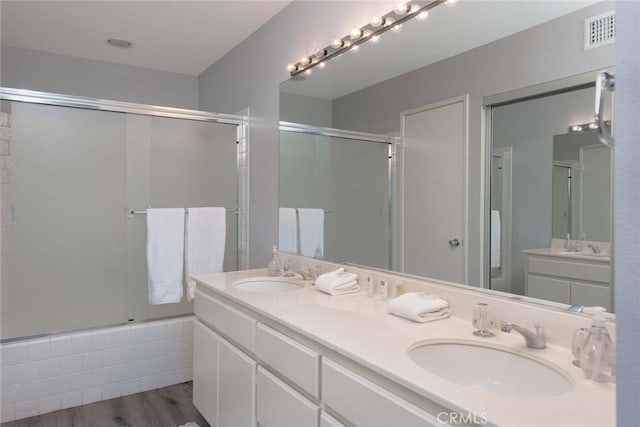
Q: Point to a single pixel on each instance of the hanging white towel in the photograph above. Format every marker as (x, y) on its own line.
(311, 223)
(205, 239)
(165, 255)
(496, 239)
(419, 307)
(288, 230)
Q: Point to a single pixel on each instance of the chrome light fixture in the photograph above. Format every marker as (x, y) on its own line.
(370, 32)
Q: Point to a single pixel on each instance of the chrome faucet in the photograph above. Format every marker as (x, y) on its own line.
(287, 267)
(594, 248)
(533, 339)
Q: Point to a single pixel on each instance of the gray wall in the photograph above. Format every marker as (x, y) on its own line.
(305, 109)
(529, 128)
(49, 72)
(626, 204)
(544, 53)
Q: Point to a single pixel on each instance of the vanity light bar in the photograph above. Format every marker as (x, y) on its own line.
(371, 32)
(587, 126)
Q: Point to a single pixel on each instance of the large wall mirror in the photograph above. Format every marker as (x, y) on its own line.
(463, 156)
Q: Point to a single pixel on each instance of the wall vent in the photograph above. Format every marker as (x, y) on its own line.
(600, 30)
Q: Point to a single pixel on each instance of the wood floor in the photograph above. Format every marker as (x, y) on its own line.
(165, 407)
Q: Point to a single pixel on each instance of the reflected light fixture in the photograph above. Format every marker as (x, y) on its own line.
(587, 126)
(392, 20)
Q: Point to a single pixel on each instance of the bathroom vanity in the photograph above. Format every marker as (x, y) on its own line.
(299, 357)
(568, 277)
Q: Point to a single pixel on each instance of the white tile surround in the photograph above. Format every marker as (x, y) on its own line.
(47, 374)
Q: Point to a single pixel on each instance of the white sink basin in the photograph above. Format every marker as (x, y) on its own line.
(490, 369)
(268, 284)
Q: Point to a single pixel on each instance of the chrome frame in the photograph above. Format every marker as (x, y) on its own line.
(47, 98)
(338, 133)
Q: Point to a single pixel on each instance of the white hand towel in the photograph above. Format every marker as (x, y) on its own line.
(206, 234)
(419, 307)
(165, 255)
(496, 239)
(311, 223)
(288, 230)
(338, 282)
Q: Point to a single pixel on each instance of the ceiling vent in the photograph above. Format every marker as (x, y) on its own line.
(600, 30)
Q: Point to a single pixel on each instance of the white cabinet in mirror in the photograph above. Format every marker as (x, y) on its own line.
(426, 152)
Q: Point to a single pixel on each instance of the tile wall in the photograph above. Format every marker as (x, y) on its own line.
(48, 374)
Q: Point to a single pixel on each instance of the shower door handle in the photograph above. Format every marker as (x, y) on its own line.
(454, 243)
(604, 82)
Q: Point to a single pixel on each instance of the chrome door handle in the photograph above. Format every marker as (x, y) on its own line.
(604, 82)
(454, 243)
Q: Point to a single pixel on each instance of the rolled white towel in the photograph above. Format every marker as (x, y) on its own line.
(419, 307)
(338, 282)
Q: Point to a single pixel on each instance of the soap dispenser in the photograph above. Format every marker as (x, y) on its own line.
(598, 356)
(274, 266)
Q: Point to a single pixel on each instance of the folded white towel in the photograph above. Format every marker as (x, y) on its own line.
(288, 230)
(165, 254)
(205, 238)
(338, 282)
(311, 225)
(419, 307)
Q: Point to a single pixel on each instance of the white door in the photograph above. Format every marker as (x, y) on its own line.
(434, 208)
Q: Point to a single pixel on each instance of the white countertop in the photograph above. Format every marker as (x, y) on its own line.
(562, 253)
(359, 327)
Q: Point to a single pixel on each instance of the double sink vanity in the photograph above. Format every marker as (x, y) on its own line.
(276, 352)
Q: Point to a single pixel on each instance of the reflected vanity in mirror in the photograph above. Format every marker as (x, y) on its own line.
(449, 155)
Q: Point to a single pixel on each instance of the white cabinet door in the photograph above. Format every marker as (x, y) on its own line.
(548, 289)
(590, 295)
(279, 405)
(236, 387)
(205, 372)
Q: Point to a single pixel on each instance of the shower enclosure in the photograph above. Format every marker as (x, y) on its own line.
(349, 175)
(74, 169)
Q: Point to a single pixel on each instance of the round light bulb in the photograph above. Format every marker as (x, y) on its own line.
(397, 28)
(322, 64)
(423, 15)
(337, 44)
(376, 21)
(356, 33)
(305, 60)
(291, 68)
(388, 22)
(592, 126)
(402, 8)
(576, 128)
(414, 8)
(375, 39)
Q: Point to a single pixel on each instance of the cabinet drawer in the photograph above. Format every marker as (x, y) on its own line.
(366, 404)
(228, 321)
(548, 289)
(590, 295)
(291, 359)
(594, 272)
(278, 405)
